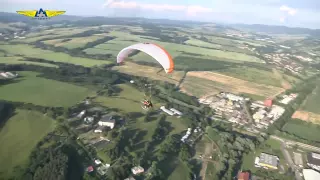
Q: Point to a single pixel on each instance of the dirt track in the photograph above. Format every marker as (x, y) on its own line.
(237, 85)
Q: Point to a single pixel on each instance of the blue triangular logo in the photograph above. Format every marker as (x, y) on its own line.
(41, 13)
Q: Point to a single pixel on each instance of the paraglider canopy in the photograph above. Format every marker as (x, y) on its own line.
(155, 51)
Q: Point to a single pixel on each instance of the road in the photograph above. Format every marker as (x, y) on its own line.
(292, 143)
(288, 158)
(286, 142)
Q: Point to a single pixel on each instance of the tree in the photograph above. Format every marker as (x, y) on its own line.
(184, 153)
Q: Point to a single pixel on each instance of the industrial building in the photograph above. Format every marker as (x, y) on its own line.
(310, 174)
(288, 98)
(267, 161)
(164, 109)
(313, 161)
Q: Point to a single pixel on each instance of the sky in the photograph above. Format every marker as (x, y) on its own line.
(293, 13)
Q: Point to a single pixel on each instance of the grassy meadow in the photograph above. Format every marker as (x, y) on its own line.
(19, 136)
(305, 130)
(40, 91)
(312, 102)
(19, 60)
(29, 51)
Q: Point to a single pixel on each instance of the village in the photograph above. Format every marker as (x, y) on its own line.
(255, 116)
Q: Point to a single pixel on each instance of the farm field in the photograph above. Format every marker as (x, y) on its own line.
(307, 116)
(225, 83)
(174, 49)
(40, 91)
(72, 43)
(19, 136)
(302, 129)
(149, 72)
(19, 60)
(29, 51)
(253, 75)
(50, 33)
(312, 102)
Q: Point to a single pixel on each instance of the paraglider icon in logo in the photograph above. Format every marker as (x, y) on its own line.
(155, 51)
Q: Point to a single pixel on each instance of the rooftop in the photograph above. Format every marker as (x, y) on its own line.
(107, 118)
(310, 174)
(314, 158)
(269, 159)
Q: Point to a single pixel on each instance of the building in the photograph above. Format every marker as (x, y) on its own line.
(164, 109)
(97, 161)
(313, 161)
(268, 102)
(81, 114)
(90, 169)
(176, 112)
(99, 129)
(88, 119)
(103, 169)
(310, 174)
(243, 176)
(107, 121)
(137, 170)
(267, 161)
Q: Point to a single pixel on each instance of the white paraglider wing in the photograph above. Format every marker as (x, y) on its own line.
(155, 51)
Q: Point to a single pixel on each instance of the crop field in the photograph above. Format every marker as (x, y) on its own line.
(40, 91)
(221, 82)
(253, 75)
(307, 116)
(19, 136)
(74, 42)
(174, 49)
(200, 43)
(312, 102)
(29, 51)
(19, 60)
(302, 129)
(149, 72)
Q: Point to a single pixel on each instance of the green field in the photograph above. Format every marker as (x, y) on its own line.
(29, 51)
(174, 49)
(19, 60)
(312, 102)
(128, 100)
(180, 172)
(302, 129)
(77, 42)
(19, 136)
(253, 75)
(200, 43)
(41, 91)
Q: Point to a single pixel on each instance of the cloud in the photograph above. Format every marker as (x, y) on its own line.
(190, 10)
(288, 10)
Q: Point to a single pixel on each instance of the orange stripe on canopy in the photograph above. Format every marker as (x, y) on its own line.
(171, 66)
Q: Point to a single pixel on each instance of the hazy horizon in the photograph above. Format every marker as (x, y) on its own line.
(291, 13)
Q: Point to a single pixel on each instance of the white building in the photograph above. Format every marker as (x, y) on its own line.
(176, 111)
(99, 129)
(137, 170)
(97, 161)
(234, 97)
(107, 121)
(164, 109)
(310, 174)
(88, 119)
(81, 114)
